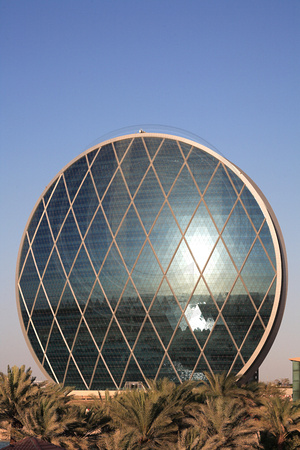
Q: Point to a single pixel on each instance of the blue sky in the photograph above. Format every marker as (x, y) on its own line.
(72, 71)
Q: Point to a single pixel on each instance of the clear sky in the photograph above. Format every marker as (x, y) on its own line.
(74, 70)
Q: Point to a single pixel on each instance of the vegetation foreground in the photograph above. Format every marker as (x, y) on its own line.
(211, 415)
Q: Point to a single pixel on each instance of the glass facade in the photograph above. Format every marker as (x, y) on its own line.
(148, 256)
(296, 379)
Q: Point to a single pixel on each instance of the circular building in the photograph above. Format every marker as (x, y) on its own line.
(150, 256)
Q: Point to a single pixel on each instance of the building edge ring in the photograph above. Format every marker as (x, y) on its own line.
(275, 319)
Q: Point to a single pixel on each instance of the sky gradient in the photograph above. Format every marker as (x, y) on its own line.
(73, 71)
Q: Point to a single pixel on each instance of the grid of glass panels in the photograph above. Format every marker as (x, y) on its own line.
(296, 380)
(146, 257)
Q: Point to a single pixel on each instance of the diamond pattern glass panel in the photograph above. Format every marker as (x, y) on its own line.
(24, 312)
(202, 313)
(91, 155)
(266, 239)
(184, 198)
(48, 369)
(148, 350)
(98, 240)
(82, 278)
(35, 343)
(184, 265)
(184, 351)
(238, 365)
(238, 183)
(42, 317)
(239, 235)
(113, 276)
(130, 238)
(132, 373)
(202, 166)
(74, 176)
(68, 242)
(35, 220)
(115, 352)
(130, 313)
(85, 352)
(257, 272)
(168, 155)
(103, 168)
(57, 353)
(152, 145)
(149, 200)
(98, 315)
(201, 236)
(186, 148)
(165, 237)
(73, 374)
(167, 370)
(121, 147)
(57, 207)
(116, 202)
(149, 257)
(24, 252)
(42, 245)
(220, 197)
(147, 275)
(220, 350)
(252, 208)
(220, 273)
(83, 210)
(135, 164)
(47, 196)
(102, 377)
(29, 282)
(68, 316)
(253, 338)
(165, 313)
(239, 312)
(267, 305)
(200, 368)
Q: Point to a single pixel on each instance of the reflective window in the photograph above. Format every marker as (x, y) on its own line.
(98, 315)
(103, 168)
(68, 315)
(57, 207)
(74, 176)
(85, 353)
(85, 204)
(167, 163)
(135, 164)
(184, 198)
(42, 244)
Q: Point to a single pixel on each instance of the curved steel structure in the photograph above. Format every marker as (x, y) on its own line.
(150, 255)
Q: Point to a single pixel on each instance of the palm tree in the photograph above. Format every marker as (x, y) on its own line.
(58, 391)
(222, 423)
(110, 441)
(258, 391)
(46, 419)
(17, 391)
(189, 438)
(182, 397)
(98, 423)
(280, 420)
(144, 420)
(42, 410)
(216, 385)
(162, 385)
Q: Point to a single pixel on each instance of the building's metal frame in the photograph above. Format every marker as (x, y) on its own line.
(271, 330)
